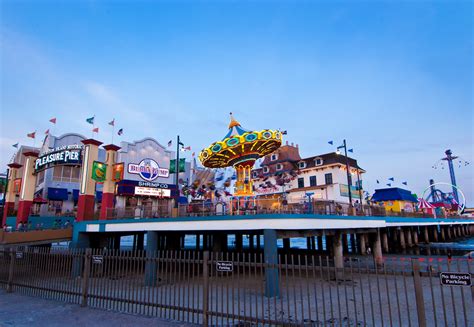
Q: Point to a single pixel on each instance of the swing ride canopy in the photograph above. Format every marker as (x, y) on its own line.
(240, 147)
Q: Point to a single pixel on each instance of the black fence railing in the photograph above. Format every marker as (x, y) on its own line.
(223, 289)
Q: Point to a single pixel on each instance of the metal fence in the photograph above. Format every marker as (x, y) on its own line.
(252, 206)
(228, 289)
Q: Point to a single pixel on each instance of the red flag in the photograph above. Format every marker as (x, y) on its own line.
(188, 148)
(47, 132)
(193, 154)
(53, 120)
(95, 130)
(32, 135)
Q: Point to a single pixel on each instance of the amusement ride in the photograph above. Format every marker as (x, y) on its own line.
(240, 148)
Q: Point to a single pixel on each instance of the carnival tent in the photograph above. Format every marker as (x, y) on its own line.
(423, 204)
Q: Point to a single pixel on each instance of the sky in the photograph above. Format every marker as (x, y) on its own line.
(393, 78)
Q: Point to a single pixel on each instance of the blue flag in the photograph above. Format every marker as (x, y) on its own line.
(391, 179)
(378, 181)
(405, 183)
(331, 142)
(90, 120)
(15, 145)
(350, 150)
(389, 184)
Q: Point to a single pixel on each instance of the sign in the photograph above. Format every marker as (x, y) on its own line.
(17, 185)
(148, 191)
(182, 166)
(127, 187)
(155, 185)
(226, 266)
(148, 169)
(344, 191)
(98, 259)
(117, 172)
(455, 279)
(19, 255)
(65, 155)
(99, 171)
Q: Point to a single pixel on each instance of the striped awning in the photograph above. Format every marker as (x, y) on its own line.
(423, 204)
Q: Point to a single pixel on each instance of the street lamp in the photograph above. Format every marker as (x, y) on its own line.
(349, 183)
(176, 166)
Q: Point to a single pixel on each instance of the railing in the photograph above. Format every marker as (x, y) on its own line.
(254, 207)
(159, 211)
(229, 288)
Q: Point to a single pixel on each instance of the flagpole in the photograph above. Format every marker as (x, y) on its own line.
(113, 130)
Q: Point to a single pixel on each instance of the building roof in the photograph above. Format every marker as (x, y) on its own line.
(393, 194)
(289, 157)
(330, 158)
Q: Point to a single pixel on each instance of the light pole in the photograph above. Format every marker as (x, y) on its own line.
(349, 183)
(176, 166)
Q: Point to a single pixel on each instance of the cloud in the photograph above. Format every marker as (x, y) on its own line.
(102, 93)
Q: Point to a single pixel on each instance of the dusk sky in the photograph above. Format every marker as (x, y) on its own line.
(393, 78)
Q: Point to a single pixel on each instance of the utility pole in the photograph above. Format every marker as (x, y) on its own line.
(349, 182)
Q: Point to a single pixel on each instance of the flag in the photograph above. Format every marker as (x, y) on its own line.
(391, 179)
(95, 130)
(378, 182)
(405, 183)
(389, 184)
(53, 120)
(32, 135)
(170, 143)
(90, 120)
(193, 154)
(15, 145)
(99, 170)
(112, 123)
(331, 142)
(47, 132)
(188, 148)
(350, 150)
(120, 131)
(284, 132)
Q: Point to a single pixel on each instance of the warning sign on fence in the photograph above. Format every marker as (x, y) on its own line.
(224, 266)
(455, 279)
(19, 255)
(97, 259)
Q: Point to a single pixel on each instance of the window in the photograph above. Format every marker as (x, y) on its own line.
(328, 178)
(312, 181)
(300, 182)
(40, 178)
(68, 174)
(254, 174)
(318, 161)
(57, 172)
(274, 157)
(265, 169)
(302, 164)
(279, 166)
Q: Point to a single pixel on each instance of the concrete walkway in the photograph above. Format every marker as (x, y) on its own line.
(19, 310)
